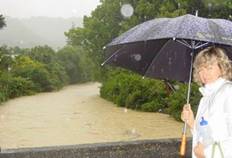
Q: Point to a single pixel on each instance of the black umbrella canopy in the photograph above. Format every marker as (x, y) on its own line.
(163, 48)
(153, 59)
(182, 27)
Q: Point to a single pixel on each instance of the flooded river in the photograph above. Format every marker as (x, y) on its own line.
(77, 115)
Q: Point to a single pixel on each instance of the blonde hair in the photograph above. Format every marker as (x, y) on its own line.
(209, 56)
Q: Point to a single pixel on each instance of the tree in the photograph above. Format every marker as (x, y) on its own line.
(106, 21)
(43, 54)
(98, 30)
(6, 58)
(2, 22)
(68, 57)
(48, 57)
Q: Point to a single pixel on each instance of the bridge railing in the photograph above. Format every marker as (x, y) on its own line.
(161, 148)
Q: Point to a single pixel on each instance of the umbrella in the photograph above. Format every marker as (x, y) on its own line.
(164, 48)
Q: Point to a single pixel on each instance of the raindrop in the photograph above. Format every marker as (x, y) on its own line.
(169, 61)
(12, 56)
(74, 11)
(209, 5)
(133, 131)
(176, 87)
(162, 70)
(2, 116)
(115, 58)
(125, 110)
(21, 42)
(137, 57)
(9, 68)
(127, 10)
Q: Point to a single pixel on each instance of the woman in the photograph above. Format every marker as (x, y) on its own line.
(212, 126)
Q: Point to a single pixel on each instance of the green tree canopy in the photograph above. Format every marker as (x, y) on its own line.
(2, 21)
(68, 57)
(43, 54)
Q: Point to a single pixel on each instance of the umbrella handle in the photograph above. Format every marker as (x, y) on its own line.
(183, 146)
(183, 138)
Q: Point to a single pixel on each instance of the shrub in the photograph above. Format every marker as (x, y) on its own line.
(32, 70)
(134, 99)
(153, 106)
(19, 86)
(3, 94)
(177, 99)
(130, 90)
(11, 87)
(2, 97)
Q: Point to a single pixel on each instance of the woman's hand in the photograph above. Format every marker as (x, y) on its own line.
(199, 150)
(187, 115)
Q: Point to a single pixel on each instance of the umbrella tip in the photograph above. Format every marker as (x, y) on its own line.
(102, 64)
(104, 47)
(174, 38)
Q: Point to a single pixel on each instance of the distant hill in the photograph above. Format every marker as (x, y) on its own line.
(30, 32)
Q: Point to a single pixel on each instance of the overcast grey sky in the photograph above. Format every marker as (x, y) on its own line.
(51, 8)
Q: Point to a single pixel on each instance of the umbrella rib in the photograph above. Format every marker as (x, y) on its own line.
(111, 56)
(184, 43)
(156, 57)
(198, 44)
(170, 86)
(202, 45)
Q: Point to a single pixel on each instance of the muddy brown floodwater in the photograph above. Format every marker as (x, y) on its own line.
(77, 115)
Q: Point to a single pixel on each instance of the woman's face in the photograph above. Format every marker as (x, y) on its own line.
(210, 73)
